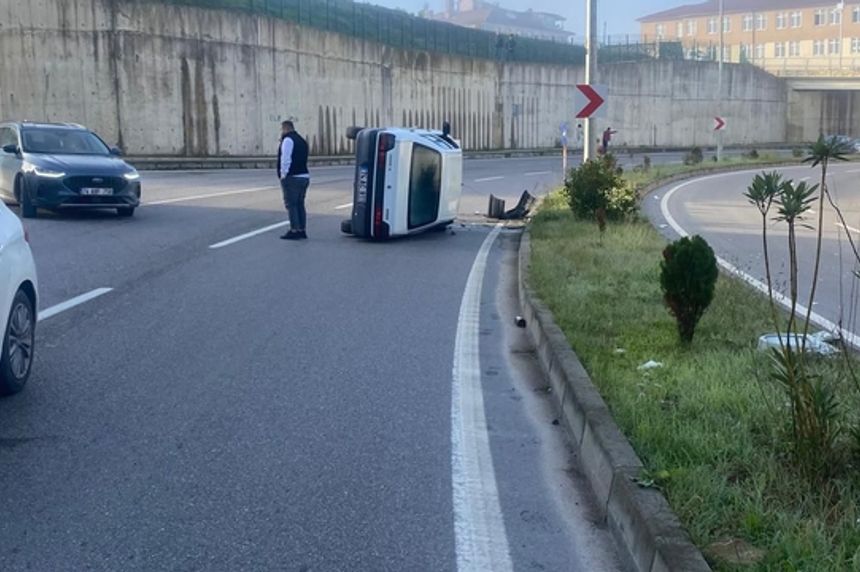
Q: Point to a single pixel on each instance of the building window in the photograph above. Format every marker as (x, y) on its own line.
(745, 52)
(855, 45)
(760, 22)
(780, 50)
(759, 52)
(748, 23)
(818, 48)
(781, 21)
(855, 17)
(820, 17)
(661, 31)
(794, 49)
(835, 16)
(679, 29)
(834, 47)
(727, 53)
(796, 19)
(692, 28)
(712, 26)
(727, 24)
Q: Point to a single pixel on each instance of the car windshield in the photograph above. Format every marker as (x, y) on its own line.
(63, 142)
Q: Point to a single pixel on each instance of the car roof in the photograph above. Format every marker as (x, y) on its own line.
(40, 125)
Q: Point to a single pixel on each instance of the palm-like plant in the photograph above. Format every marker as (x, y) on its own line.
(822, 153)
(762, 193)
(793, 202)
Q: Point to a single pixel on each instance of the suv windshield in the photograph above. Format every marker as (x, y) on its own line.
(62, 142)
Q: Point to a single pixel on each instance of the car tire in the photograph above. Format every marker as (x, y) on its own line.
(28, 209)
(125, 212)
(17, 349)
(346, 227)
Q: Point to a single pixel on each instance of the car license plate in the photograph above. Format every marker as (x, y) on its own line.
(362, 185)
(96, 192)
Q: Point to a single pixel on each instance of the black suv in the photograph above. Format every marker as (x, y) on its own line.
(63, 166)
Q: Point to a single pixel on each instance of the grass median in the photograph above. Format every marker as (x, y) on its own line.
(709, 425)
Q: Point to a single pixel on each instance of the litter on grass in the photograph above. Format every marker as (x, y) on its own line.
(821, 343)
(650, 365)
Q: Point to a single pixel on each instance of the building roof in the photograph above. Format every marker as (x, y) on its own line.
(529, 20)
(711, 8)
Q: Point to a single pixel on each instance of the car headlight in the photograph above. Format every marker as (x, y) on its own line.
(132, 176)
(41, 172)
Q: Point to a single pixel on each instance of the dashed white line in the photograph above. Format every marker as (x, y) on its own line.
(538, 173)
(208, 196)
(849, 337)
(848, 228)
(343, 207)
(248, 235)
(488, 179)
(481, 543)
(69, 304)
(853, 171)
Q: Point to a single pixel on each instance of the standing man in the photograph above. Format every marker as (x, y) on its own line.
(607, 139)
(295, 179)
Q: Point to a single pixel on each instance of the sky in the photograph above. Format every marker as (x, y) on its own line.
(618, 15)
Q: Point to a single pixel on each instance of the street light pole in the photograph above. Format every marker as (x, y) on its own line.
(720, 79)
(590, 72)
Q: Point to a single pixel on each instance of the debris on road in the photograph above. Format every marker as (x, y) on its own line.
(496, 208)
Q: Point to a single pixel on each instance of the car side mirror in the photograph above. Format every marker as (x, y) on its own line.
(116, 151)
(11, 149)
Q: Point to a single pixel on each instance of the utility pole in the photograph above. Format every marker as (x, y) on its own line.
(841, 7)
(590, 72)
(720, 80)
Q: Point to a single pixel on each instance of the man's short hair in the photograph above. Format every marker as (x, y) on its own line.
(288, 124)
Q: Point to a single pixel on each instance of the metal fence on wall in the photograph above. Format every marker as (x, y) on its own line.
(402, 30)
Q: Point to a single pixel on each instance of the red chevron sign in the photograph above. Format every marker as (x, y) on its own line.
(719, 123)
(590, 100)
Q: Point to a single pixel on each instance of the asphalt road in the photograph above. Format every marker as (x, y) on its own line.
(231, 402)
(715, 208)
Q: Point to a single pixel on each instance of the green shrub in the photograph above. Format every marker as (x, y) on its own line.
(694, 157)
(688, 277)
(646, 163)
(753, 154)
(595, 190)
(797, 152)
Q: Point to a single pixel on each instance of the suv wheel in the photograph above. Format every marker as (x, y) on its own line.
(28, 209)
(19, 340)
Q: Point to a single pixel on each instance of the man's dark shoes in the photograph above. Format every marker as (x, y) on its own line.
(302, 234)
(291, 236)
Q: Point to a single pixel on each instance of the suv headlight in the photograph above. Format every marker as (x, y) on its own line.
(132, 176)
(41, 171)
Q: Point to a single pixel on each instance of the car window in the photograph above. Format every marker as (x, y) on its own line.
(425, 185)
(63, 142)
(7, 136)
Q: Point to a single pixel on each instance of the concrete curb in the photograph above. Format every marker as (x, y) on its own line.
(640, 519)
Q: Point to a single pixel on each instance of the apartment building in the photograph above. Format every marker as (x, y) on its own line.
(794, 37)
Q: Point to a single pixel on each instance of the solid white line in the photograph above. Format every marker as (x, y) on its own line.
(538, 173)
(69, 304)
(247, 235)
(481, 543)
(342, 207)
(488, 179)
(208, 196)
(853, 171)
(848, 228)
(849, 337)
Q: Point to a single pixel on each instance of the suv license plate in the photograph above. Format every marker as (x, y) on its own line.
(96, 192)
(362, 184)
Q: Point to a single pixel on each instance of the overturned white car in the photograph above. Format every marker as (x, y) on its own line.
(406, 181)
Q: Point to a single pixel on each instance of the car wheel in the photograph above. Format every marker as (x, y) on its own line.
(346, 227)
(28, 209)
(19, 340)
(125, 212)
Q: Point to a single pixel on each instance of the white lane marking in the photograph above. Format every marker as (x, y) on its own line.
(848, 228)
(488, 179)
(853, 171)
(479, 529)
(849, 337)
(805, 178)
(538, 173)
(208, 196)
(247, 235)
(69, 304)
(342, 207)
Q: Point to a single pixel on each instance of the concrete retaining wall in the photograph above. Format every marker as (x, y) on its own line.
(181, 81)
(814, 113)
